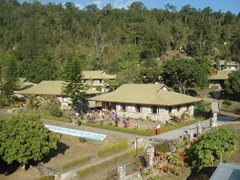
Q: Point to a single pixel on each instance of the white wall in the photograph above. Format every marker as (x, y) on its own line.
(162, 114)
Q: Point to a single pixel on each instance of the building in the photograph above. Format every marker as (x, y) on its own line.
(218, 79)
(96, 80)
(52, 88)
(229, 66)
(147, 101)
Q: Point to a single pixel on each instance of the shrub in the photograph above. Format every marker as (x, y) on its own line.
(61, 119)
(227, 102)
(82, 140)
(163, 147)
(112, 149)
(199, 109)
(55, 111)
(47, 178)
(2, 102)
(211, 147)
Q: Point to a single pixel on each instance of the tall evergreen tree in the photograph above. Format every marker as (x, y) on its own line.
(74, 88)
(10, 77)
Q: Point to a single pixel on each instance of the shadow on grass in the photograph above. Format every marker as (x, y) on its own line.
(61, 149)
(9, 169)
(204, 174)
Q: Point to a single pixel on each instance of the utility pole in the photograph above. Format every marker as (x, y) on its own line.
(136, 146)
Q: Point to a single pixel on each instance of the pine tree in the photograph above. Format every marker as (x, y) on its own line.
(73, 87)
(10, 77)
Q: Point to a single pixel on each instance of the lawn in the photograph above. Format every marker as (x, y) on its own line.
(229, 107)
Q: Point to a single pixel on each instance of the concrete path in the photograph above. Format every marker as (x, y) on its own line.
(174, 134)
(71, 174)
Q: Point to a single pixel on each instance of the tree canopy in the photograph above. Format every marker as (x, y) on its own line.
(24, 138)
(47, 35)
(233, 83)
(185, 73)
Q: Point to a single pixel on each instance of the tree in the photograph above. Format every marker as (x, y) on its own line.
(211, 147)
(10, 77)
(184, 73)
(1, 75)
(137, 6)
(24, 138)
(218, 64)
(233, 83)
(235, 46)
(74, 88)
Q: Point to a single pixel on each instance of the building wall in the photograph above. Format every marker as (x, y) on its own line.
(65, 101)
(161, 114)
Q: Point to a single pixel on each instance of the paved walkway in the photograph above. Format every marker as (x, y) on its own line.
(174, 134)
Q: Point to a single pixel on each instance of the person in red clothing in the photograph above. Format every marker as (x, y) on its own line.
(127, 123)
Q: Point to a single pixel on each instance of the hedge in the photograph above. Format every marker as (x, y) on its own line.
(75, 162)
(48, 117)
(92, 169)
(141, 131)
(47, 178)
(61, 119)
(179, 125)
(112, 149)
(126, 130)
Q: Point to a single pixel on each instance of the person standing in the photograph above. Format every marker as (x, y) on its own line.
(124, 118)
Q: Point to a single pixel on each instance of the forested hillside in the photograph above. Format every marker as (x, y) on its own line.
(133, 43)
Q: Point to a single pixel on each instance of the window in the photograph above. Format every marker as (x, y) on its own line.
(123, 107)
(138, 108)
(109, 107)
(170, 110)
(154, 109)
(178, 108)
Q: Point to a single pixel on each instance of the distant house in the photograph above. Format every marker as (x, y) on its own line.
(230, 66)
(96, 80)
(218, 79)
(53, 88)
(23, 83)
(153, 101)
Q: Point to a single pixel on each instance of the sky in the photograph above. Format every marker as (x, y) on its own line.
(216, 5)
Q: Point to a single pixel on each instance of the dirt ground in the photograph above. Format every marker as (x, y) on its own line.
(20, 174)
(71, 148)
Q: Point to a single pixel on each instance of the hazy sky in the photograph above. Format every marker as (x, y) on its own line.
(216, 5)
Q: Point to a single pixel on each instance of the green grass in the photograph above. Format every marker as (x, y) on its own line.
(141, 131)
(46, 178)
(96, 167)
(48, 117)
(113, 149)
(75, 162)
(61, 119)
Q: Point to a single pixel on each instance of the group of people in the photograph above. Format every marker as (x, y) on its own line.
(101, 116)
(117, 119)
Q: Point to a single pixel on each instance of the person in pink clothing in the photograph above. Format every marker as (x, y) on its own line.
(127, 123)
